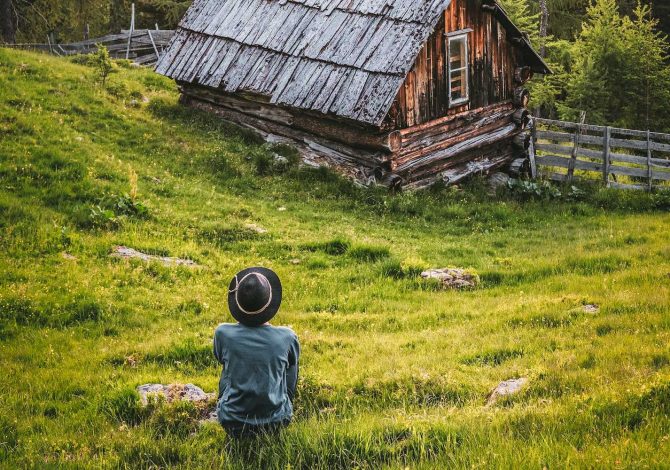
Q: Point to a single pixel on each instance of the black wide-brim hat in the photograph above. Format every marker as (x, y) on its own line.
(254, 296)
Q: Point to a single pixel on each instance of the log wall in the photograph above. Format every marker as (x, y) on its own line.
(492, 59)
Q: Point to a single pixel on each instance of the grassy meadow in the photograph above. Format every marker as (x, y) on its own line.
(395, 372)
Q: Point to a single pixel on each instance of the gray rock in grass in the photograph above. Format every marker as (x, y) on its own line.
(125, 252)
(182, 392)
(506, 387)
(452, 278)
(591, 308)
(174, 392)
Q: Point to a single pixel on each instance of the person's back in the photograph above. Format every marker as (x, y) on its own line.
(259, 375)
(260, 361)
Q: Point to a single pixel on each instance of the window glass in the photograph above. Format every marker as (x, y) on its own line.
(458, 69)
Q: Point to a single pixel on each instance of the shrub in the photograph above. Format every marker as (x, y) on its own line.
(526, 190)
(661, 199)
(110, 212)
(103, 63)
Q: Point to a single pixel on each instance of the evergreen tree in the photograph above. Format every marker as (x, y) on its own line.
(647, 75)
(619, 74)
(520, 14)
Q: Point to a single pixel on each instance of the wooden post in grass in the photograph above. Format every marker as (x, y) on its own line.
(151, 38)
(132, 29)
(649, 170)
(531, 149)
(575, 147)
(606, 155)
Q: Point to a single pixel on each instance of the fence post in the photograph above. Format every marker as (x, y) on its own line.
(606, 155)
(132, 29)
(531, 149)
(575, 148)
(649, 170)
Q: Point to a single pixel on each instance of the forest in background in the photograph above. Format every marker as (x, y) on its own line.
(609, 57)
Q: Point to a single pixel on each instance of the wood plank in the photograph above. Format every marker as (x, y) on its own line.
(624, 158)
(639, 172)
(565, 150)
(552, 135)
(564, 162)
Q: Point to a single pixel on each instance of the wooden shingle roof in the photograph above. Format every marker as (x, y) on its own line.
(342, 57)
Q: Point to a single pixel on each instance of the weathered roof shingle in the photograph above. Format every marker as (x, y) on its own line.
(344, 57)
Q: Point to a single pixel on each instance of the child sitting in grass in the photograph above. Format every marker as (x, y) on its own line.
(260, 361)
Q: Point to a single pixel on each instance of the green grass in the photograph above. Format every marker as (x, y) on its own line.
(394, 373)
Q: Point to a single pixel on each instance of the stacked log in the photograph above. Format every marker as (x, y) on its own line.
(446, 149)
(520, 164)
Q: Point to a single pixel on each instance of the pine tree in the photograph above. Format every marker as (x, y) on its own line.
(647, 75)
(523, 18)
(618, 74)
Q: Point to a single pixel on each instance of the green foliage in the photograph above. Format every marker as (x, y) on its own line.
(170, 10)
(525, 189)
(103, 63)
(619, 74)
(110, 212)
(527, 21)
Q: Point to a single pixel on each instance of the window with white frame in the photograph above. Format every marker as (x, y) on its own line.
(458, 68)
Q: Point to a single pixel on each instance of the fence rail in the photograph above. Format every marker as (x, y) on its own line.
(623, 158)
(143, 46)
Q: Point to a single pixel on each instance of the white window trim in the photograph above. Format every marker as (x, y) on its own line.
(456, 37)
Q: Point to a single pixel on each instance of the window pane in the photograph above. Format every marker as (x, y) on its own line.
(458, 63)
(457, 57)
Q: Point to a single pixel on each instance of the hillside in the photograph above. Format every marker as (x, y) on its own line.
(395, 371)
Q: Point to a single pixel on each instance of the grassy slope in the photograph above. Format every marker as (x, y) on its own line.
(393, 371)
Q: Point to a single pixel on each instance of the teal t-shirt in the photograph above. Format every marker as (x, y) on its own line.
(260, 372)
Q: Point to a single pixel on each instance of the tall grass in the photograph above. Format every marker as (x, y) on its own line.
(395, 371)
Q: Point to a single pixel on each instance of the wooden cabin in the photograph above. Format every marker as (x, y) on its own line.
(404, 92)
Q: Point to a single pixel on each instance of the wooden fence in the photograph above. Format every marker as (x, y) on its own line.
(621, 158)
(143, 46)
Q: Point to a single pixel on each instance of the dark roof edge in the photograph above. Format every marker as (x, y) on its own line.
(538, 64)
